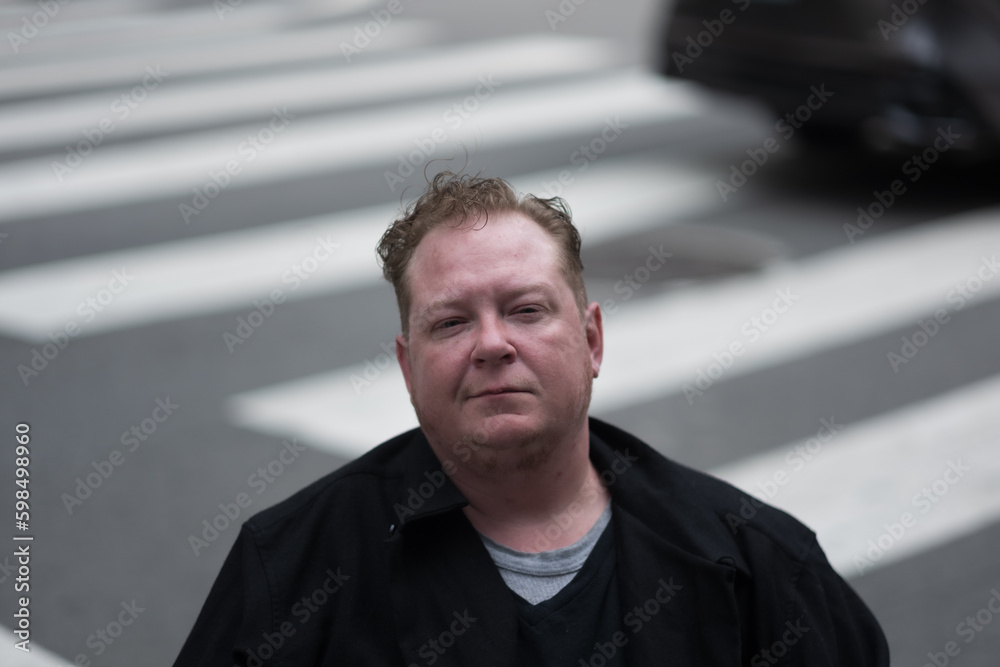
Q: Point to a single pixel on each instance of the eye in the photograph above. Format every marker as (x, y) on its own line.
(449, 323)
(527, 310)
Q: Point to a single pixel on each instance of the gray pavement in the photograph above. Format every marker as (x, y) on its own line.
(127, 541)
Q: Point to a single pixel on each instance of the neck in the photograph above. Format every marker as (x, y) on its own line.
(547, 507)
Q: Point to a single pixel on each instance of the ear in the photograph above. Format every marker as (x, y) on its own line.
(403, 357)
(594, 329)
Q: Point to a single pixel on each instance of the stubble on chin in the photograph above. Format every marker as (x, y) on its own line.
(529, 452)
(491, 448)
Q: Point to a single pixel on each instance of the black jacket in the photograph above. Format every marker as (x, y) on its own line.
(375, 564)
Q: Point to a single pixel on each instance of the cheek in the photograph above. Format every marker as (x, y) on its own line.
(559, 360)
(437, 373)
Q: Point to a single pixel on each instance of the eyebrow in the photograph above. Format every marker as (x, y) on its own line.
(514, 293)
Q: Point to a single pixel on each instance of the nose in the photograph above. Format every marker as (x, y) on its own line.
(493, 343)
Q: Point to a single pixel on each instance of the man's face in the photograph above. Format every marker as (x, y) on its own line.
(499, 360)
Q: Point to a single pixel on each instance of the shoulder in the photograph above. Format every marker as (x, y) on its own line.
(350, 499)
(782, 577)
(702, 514)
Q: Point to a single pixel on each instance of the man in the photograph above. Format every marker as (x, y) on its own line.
(511, 528)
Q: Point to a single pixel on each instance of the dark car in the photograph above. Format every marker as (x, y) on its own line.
(898, 74)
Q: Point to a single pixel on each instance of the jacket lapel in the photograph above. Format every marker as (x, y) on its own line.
(450, 604)
(676, 608)
(676, 578)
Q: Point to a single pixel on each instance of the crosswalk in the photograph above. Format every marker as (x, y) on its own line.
(326, 87)
(252, 154)
(225, 271)
(247, 48)
(267, 88)
(789, 311)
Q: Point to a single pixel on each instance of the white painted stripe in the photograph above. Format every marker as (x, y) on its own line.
(151, 19)
(843, 296)
(228, 271)
(369, 400)
(181, 105)
(616, 198)
(655, 345)
(120, 24)
(71, 12)
(216, 55)
(185, 278)
(173, 167)
(859, 484)
(37, 657)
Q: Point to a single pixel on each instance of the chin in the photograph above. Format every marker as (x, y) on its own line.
(505, 431)
(516, 458)
(511, 443)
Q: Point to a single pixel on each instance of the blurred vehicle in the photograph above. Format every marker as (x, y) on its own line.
(898, 71)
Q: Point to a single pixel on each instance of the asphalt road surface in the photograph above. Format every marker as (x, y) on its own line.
(190, 307)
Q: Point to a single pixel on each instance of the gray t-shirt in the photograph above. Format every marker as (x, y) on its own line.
(539, 576)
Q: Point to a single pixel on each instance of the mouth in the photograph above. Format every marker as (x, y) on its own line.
(497, 391)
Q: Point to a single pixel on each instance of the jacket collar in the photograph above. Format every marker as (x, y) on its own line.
(659, 493)
(424, 488)
(450, 604)
(675, 563)
(672, 501)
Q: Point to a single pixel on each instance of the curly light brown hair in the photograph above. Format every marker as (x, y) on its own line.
(451, 199)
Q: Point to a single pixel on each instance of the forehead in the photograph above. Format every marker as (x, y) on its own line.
(505, 248)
